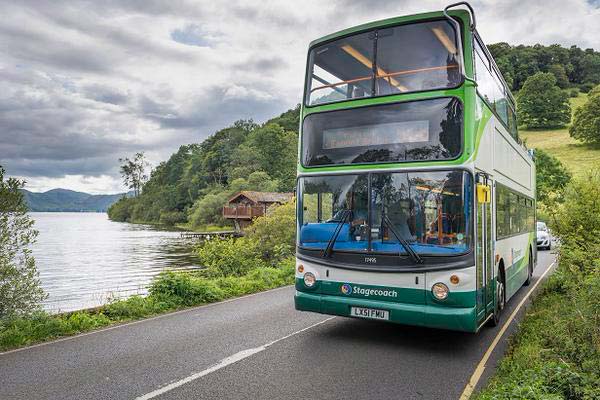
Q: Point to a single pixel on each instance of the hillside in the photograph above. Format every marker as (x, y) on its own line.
(69, 200)
(194, 183)
(577, 157)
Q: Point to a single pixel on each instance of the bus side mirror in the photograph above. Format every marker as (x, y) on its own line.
(484, 193)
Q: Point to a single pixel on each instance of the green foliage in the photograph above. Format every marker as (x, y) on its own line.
(171, 218)
(562, 81)
(230, 257)
(551, 176)
(586, 121)
(577, 220)
(541, 104)
(517, 63)
(586, 87)
(185, 289)
(133, 172)
(573, 93)
(595, 91)
(275, 233)
(20, 290)
(207, 209)
(556, 353)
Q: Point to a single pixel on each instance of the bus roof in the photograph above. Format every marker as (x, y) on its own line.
(462, 14)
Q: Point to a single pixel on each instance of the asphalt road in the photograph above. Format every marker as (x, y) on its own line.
(256, 347)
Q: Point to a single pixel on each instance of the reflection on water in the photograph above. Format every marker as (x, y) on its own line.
(84, 258)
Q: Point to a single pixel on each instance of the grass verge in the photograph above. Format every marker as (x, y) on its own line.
(170, 291)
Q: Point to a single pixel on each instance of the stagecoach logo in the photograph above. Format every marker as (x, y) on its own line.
(367, 292)
(346, 289)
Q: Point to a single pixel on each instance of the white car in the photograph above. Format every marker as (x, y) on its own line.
(544, 239)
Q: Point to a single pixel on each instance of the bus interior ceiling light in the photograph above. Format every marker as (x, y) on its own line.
(444, 39)
(309, 279)
(367, 63)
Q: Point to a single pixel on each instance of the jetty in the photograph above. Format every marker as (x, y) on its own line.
(211, 235)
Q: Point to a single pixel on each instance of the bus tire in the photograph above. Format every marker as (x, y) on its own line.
(500, 298)
(529, 269)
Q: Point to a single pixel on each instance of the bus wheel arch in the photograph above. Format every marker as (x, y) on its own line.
(500, 292)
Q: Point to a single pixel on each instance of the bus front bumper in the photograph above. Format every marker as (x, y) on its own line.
(427, 315)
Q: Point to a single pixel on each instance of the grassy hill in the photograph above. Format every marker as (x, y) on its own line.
(69, 200)
(576, 156)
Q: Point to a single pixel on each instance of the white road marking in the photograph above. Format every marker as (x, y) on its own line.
(468, 391)
(140, 321)
(225, 362)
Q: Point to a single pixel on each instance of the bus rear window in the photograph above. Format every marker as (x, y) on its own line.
(411, 131)
(401, 59)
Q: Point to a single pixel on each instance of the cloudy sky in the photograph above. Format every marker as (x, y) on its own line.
(83, 83)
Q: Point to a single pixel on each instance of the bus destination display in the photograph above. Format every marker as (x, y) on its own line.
(373, 135)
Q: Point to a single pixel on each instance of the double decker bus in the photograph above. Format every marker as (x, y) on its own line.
(415, 196)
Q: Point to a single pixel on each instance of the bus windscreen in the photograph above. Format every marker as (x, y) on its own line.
(401, 59)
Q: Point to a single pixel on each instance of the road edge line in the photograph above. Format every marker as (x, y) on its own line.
(468, 390)
(139, 321)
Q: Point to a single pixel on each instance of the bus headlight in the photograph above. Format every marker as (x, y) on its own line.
(309, 279)
(439, 291)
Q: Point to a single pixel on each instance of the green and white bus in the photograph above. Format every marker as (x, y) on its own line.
(416, 198)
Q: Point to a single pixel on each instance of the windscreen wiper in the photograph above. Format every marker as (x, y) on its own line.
(416, 257)
(329, 249)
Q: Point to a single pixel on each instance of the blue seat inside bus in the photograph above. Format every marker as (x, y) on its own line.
(317, 235)
(323, 232)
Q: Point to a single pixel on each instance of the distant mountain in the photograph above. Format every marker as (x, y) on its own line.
(69, 200)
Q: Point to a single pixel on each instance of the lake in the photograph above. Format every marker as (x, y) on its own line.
(84, 258)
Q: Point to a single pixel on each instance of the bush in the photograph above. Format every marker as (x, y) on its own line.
(542, 104)
(121, 210)
(586, 122)
(586, 87)
(20, 290)
(230, 257)
(573, 92)
(595, 91)
(551, 176)
(170, 218)
(207, 209)
(275, 233)
(185, 289)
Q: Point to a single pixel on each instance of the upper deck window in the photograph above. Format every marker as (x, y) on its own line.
(401, 59)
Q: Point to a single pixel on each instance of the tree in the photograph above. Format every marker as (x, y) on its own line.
(562, 81)
(551, 176)
(586, 122)
(541, 104)
(20, 290)
(134, 172)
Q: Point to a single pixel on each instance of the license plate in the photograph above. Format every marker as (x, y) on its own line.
(371, 313)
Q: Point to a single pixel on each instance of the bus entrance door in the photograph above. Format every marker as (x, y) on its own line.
(485, 248)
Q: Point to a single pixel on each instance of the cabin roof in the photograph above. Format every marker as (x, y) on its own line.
(263, 197)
